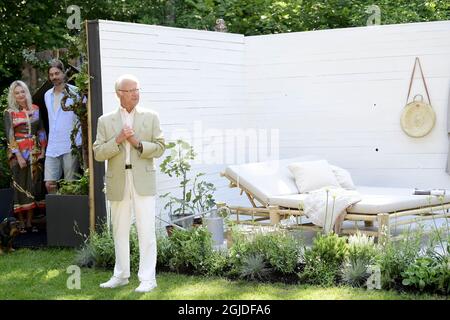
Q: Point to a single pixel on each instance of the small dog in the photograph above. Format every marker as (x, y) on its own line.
(9, 229)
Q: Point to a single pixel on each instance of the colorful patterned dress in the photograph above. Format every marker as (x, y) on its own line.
(26, 134)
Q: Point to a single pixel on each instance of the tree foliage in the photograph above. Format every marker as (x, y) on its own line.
(41, 24)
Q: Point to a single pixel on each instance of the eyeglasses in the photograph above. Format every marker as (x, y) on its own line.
(130, 91)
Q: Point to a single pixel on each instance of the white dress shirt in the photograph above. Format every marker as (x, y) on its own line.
(60, 125)
(57, 101)
(127, 119)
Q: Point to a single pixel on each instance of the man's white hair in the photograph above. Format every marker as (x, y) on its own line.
(123, 78)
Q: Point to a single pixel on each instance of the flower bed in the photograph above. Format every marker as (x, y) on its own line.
(405, 265)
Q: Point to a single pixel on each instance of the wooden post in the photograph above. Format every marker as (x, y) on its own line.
(383, 228)
(250, 197)
(97, 202)
(90, 151)
(274, 215)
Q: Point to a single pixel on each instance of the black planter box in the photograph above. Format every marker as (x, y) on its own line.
(66, 217)
(6, 203)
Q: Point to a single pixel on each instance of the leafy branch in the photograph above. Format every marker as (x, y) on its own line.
(197, 194)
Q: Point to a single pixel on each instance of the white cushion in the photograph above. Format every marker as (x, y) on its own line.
(266, 179)
(313, 175)
(343, 177)
(374, 200)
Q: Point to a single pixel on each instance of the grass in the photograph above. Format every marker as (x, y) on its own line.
(41, 274)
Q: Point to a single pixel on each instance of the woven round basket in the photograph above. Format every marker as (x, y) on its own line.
(418, 118)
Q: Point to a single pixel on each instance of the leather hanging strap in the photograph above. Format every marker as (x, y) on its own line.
(417, 61)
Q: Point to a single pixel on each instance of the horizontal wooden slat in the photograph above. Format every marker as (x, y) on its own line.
(334, 93)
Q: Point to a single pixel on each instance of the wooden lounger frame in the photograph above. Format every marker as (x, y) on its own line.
(267, 215)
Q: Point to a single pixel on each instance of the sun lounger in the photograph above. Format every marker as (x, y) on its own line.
(274, 196)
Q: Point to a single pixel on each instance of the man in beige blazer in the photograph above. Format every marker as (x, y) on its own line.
(129, 139)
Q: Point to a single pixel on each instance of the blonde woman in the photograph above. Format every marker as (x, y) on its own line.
(27, 141)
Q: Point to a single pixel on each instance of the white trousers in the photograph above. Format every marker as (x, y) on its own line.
(121, 213)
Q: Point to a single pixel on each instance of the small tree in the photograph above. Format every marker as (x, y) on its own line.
(197, 195)
(77, 49)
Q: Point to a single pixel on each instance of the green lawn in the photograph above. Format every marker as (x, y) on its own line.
(41, 274)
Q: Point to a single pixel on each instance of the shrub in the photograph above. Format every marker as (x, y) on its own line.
(254, 268)
(318, 272)
(324, 259)
(438, 246)
(279, 251)
(85, 257)
(75, 187)
(218, 263)
(426, 274)
(354, 272)
(98, 249)
(330, 248)
(163, 252)
(362, 248)
(397, 256)
(443, 283)
(431, 271)
(189, 250)
(362, 252)
(184, 251)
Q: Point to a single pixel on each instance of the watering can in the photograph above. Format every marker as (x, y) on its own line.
(214, 223)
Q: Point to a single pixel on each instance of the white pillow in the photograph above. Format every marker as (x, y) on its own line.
(343, 177)
(313, 175)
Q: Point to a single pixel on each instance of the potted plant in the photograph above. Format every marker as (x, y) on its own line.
(196, 194)
(6, 192)
(68, 213)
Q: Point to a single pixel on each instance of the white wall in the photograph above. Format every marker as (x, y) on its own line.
(193, 79)
(340, 93)
(337, 93)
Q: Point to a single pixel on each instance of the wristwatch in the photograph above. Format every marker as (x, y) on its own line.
(139, 147)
